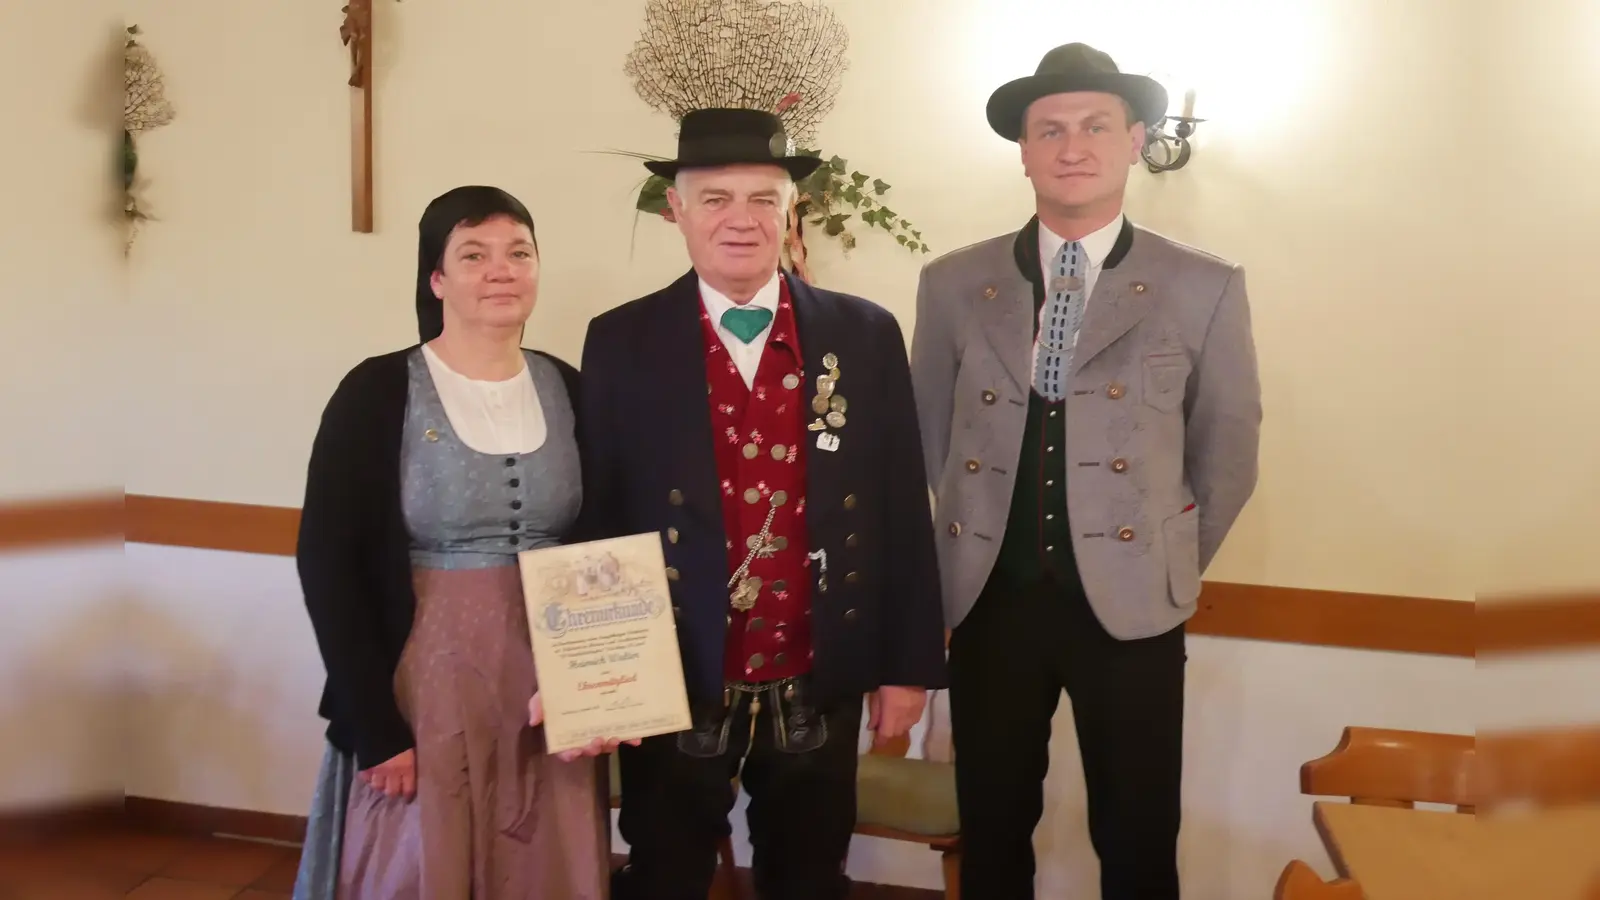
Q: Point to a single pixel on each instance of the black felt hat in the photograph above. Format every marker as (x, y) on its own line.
(729, 137)
(1068, 69)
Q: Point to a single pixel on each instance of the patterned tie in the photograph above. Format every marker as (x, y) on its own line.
(745, 322)
(1063, 313)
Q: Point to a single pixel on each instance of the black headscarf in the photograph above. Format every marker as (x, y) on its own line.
(469, 205)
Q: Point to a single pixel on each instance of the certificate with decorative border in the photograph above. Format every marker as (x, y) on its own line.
(605, 646)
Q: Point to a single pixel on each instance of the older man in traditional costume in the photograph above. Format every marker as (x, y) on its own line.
(766, 429)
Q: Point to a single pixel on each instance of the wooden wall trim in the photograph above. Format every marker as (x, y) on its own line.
(190, 818)
(1335, 618)
(207, 525)
(69, 520)
(1256, 612)
(1513, 625)
(29, 823)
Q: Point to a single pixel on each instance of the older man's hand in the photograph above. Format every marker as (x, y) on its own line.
(892, 710)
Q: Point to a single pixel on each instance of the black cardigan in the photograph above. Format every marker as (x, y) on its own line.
(353, 554)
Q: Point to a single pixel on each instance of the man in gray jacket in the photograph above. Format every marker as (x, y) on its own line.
(1090, 410)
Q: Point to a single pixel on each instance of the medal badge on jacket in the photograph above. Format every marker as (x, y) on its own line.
(829, 405)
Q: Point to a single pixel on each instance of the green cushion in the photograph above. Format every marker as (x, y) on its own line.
(911, 795)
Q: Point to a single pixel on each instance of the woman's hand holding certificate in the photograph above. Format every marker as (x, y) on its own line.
(595, 747)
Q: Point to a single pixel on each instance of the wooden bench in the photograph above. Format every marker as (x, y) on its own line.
(1389, 767)
(912, 800)
(1300, 882)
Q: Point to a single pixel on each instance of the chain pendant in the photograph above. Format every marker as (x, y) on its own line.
(745, 588)
(744, 596)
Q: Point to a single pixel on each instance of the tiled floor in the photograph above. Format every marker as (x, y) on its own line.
(116, 863)
(119, 862)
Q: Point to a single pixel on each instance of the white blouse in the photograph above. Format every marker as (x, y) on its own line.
(490, 416)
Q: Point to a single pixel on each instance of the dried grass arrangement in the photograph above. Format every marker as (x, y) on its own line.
(144, 107)
(786, 56)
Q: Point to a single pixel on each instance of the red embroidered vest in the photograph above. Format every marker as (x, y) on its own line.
(761, 461)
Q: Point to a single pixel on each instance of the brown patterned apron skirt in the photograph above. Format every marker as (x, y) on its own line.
(494, 817)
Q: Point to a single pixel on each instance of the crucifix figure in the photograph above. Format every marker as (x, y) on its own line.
(356, 32)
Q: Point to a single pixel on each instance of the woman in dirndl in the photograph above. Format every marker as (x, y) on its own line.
(432, 467)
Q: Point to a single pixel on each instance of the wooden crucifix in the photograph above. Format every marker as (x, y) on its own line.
(356, 32)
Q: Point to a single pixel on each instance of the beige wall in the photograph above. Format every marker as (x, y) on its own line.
(60, 717)
(60, 84)
(1538, 122)
(64, 729)
(1426, 429)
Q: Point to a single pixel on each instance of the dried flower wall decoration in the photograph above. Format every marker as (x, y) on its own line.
(144, 106)
(786, 56)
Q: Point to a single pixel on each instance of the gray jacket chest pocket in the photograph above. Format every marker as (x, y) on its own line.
(1165, 376)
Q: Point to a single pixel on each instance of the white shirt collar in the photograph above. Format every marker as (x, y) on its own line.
(1097, 244)
(716, 303)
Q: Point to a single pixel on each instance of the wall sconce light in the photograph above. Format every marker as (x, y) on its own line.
(1172, 151)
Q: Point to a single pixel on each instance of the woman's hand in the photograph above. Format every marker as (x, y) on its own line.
(595, 747)
(395, 778)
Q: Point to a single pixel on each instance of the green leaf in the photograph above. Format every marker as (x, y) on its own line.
(858, 178)
(838, 165)
(914, 233)
(851, 195)
(817, 181)
(879, 186)
(870, 217)
(835, 225)
(901, 239)
(653, 196)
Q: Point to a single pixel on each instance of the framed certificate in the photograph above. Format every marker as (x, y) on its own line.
(605, 645)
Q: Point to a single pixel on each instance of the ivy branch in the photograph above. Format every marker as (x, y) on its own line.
(825, 192)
